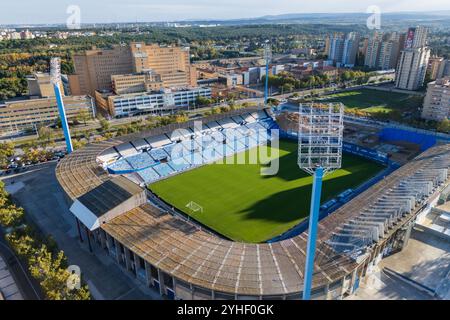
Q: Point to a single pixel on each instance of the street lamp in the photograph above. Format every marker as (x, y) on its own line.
(320, 139)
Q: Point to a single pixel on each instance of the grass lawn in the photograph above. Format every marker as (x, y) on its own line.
(242, 205)
(374, 101)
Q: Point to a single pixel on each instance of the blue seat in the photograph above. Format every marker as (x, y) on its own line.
(163, 169)
(149, 175)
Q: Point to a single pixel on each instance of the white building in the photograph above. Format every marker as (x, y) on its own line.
(155, 102)
(412, 68)
(437, 102)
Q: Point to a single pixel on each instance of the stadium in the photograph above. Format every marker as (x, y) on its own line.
(176, 209)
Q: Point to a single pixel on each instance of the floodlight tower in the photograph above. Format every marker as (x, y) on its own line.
(55, 75)
(267, 58)
(319, 153)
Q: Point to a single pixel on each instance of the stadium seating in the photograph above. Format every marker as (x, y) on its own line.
(163, 169)
(148, 175)
(121, 165)
(186, 149)
(141, 144)
(158, 141)
(126, 150)
(140, 161)
(158, 154)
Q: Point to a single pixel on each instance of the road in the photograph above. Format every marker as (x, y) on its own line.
(45, 204)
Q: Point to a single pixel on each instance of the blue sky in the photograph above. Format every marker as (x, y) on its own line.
(51, 11)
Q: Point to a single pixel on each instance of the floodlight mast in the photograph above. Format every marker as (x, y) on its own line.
(55, 76)
(267, 57)
(320, 141)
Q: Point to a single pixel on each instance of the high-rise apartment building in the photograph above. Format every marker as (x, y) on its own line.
(434, 65)
(413, 61)
(350, 50)
(437, 101)
(336, 48)
(383, 51)
(444, 69)
(373, 52)
(343, 49)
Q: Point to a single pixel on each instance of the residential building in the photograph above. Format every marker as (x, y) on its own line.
(444, 69)
(413, 61)
(373, 52)
(155, 102)
(350, 50)
(437, 101)
(412, 68)
(336, 48)
(21, 115)
(434, 66)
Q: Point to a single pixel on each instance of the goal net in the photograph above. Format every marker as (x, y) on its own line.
(194, 207)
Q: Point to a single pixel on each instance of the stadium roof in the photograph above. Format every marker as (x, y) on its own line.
(192, 255)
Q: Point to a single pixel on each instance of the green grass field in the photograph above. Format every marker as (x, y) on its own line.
(243, 205)
(374, 101)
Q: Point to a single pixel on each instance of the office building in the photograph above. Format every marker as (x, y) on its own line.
(437, 101)
(27, 115)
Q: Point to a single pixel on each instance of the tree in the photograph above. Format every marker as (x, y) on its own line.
(203, 101)
(83, 116)
(54, 277)
(104, 124)
(273, 102)
(78, 144)
(11, 216)
(444, 126)
(6, 151)
(45, 136)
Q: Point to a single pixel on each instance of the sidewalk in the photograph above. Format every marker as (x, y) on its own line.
(8, 287)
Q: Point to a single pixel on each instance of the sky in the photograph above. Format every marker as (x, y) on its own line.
(111, 11)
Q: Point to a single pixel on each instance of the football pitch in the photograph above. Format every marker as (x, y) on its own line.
(243, 205)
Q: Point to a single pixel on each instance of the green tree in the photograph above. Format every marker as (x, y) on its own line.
(11, 216)
(45, 136)
(104, 124)
(83, 116)
(444, 126)
(6, 151)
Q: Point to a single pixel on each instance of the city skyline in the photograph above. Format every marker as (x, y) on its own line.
(29, 12)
